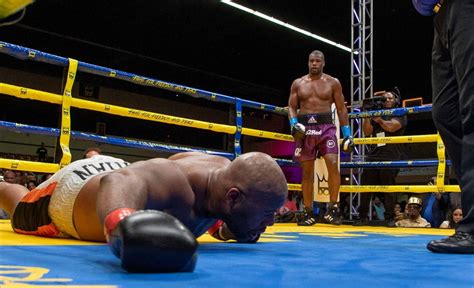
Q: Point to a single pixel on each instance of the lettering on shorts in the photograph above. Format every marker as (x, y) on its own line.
(314, 132)
(298, 152)
(89, 170)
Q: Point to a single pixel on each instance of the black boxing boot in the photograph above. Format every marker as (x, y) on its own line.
(332, 215)
(308, 218)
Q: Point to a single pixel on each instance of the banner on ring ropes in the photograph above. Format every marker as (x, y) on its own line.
(321, 175)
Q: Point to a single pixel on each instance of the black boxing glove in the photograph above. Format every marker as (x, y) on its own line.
(150, 241)
(298, 130)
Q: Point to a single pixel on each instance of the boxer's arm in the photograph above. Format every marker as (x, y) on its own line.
(347, 144)
(340, 104)
(120, 189)
(182, 155)
(135, 185)
(201, 156)
(293, 100)
(298, 130)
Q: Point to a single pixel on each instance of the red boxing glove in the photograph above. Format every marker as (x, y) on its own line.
(113, 218)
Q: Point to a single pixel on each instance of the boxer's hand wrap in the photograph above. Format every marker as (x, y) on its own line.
(216, 230)
(298, 130)
(153, 241)
(346, 131)
(221, 231)
(112, 220)
(347, 144)
(426, 7)
(293, 121)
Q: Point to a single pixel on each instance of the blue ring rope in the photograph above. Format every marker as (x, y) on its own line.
(145, 145)
(176, 148)
(24, 53)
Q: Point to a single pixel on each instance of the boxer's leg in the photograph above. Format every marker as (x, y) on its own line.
(10, 195)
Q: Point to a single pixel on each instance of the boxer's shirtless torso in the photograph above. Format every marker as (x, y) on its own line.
(184, 180)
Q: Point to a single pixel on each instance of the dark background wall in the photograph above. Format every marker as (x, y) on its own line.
(211, 46)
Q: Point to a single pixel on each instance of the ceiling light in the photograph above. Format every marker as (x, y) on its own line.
(289, 26)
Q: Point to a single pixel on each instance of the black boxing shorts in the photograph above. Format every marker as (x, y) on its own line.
(31, 214)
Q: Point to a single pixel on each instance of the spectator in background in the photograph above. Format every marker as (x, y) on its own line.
(453, 219)
(379, 210)
(435, 206)
(10, 177)
(31, 184)
(384, 126)
(45, 177)
(42, 153)
(91, 152)
(398, 213)
(20, 177)
(414, 218)
(30, 176)
(346, 205)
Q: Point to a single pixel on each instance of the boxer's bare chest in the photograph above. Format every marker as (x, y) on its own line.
(315, 96)
(311, 90)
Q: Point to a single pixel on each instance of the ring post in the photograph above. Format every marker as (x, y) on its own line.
(441, 164)
(238, 124)
(65, 136)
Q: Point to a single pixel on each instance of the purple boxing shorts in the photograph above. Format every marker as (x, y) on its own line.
(319, 140)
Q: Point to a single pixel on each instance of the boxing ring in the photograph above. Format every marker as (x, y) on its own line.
(286, 256)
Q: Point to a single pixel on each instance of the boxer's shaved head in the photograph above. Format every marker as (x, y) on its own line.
(317, 53)
(260, 177)
(256, 188)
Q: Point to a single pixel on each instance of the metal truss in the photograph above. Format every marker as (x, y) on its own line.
(361, 81)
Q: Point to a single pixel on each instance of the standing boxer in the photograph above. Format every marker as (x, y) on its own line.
(315, 132)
